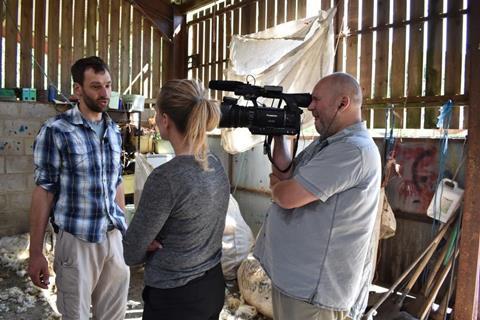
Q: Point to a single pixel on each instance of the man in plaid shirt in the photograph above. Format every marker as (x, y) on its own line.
(79, 185)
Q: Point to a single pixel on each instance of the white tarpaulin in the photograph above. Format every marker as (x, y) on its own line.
(294, 55)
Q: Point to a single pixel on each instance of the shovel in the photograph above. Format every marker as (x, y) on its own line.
(394, 308)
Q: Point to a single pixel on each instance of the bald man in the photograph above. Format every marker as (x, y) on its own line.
(315, 238)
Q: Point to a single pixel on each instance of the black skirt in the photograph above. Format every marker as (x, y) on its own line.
(199, 299)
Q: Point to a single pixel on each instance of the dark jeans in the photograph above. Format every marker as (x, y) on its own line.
(199, 299)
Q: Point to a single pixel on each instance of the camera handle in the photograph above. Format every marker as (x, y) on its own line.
(267, 149)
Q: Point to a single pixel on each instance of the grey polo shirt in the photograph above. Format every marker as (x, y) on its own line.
(317, 252)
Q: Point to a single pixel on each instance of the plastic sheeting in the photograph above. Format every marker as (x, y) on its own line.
(294, 55)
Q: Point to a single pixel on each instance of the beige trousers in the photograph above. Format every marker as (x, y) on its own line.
(286, 308)
(91, 274)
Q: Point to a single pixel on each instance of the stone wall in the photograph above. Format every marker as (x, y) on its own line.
(19, 124)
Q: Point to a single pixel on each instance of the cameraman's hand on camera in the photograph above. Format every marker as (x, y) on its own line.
(281, 157)
(273, 180)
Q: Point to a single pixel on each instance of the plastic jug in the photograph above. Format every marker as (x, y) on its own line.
(445, 201)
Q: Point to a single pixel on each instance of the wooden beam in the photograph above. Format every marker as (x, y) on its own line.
(79, 30)
(191, 5)
(53, 40)
(40, 16)
(352, 42)
(26, 44)
(114, 43)
(180, 45)
(11, 24)
(146, 60)
(467, 292)
(415, 68)
(160, 13)
(453, 67)
(66, 48)
(434, 62)
(381, 63)
(125, 49)
(92, 27)
(136, 52)
(156, 60)
(103, 9)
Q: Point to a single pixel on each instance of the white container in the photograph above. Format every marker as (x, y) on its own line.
(114, 98)
(133, 102)
(445, 201)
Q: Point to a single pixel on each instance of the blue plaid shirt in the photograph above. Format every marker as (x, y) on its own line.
(83, 173)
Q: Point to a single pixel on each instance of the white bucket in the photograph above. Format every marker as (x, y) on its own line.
(445, 201)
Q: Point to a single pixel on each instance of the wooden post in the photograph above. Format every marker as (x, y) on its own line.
(466, 301)
(179, 47)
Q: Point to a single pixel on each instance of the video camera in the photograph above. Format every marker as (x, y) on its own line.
(260, 119)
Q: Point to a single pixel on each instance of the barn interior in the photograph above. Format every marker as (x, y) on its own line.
(414, 60)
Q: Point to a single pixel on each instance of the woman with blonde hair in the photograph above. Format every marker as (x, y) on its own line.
(178, 225)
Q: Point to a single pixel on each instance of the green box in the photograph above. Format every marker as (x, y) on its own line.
(7, 95)
(29, 94)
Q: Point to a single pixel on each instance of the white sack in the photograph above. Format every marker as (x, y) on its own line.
(237, 241)
(255, 286)
(294, 55)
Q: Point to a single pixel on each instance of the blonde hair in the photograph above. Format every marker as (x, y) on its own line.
(186, 103)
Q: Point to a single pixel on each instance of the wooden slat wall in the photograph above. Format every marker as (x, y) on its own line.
(210, 40)
(454, 58)
(136, 51)
(271, 15)
(398, 56)
(352, 42)
(434, 61)
(125, 24)
(207, 49)
(92, 27)
(66, 47)
(194, 48)
(201, 46)
(25, 44)
(115, 43)
(280, 11)
(415, 68)
(34, 33)
(366, 46)
(156, 62)
(104, 10)
(39, 49)
(262, 5)
(2, 13)
(402, 71)
(79, 30)
(11, 23)
(53, 41)
(339, 23)
(221, 46)
(146, 61)
(381, 62)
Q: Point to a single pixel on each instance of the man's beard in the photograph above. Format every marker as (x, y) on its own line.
(93, 105)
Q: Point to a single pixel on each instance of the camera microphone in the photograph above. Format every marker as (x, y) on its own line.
(225, 85)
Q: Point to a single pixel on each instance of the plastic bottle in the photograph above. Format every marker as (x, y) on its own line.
(445, 201)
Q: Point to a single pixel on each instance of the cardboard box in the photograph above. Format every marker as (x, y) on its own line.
(129, 183)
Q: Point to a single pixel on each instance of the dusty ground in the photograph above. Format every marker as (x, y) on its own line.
(21, 300)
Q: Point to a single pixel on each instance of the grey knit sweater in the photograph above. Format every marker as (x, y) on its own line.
(184, 208)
